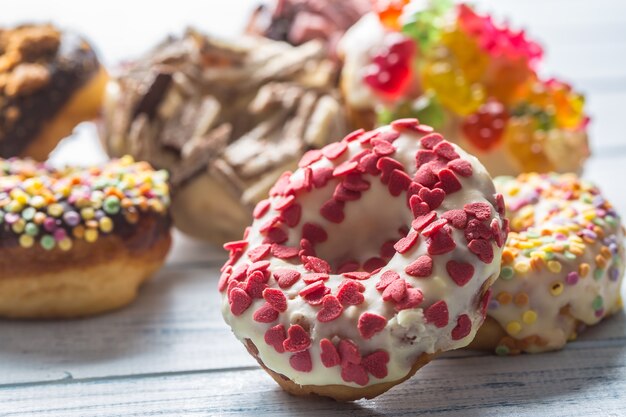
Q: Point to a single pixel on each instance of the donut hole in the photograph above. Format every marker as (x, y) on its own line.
(374, 220)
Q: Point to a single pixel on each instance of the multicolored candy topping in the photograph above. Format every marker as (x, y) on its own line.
(562, 265)
(50, 208)
(454, 68)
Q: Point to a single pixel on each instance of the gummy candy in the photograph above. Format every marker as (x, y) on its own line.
(524, 140)
(426, 108)
(389, 12)
(390, 72)
(484, 129)
(468, 56)
(425, 25)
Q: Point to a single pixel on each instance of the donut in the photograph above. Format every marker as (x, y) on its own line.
(370, 259)
(78, 241)
(471, 78)
(299, 21)
(50, 81)
(225, 119)
(562, 265)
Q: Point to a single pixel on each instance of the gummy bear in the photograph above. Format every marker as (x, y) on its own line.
(525, 141)
(567, 103)
(484, 129)
(469, 58)
(453, 90)
(391, 72)
(425, 108)
(426, 24)
(389, 12)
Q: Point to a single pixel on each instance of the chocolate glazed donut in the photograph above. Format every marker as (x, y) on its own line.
(49, 82)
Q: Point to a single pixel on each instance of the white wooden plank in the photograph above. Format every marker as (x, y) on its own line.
(570, 383)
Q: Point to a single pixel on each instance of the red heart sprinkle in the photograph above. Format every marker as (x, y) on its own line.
(456, 217)
(275, 336)
(269, 224)
(306, 248)
(315, 298)
(403, 245)
(259, 252)
(343, 194)
(314, 264)
(360, 275)
(310, 157)
(441, 242)
(395, 291)
(386, 279)
(412, 299)
(434, 227)
(255, 284)
(297, 339)
(405, 123)
(422, 128)
(482, 249)
(433, 197)
(239, 301)
(281, 184)
(422, 267)
(353, 135)
(425, 176)
(265, 314)
(476, 229)
(291, 215)
(399, 181)
(276, 299)
(372, 264)
(482, 211)
(314, 277)
(286, 277)
(418, 207)
(369, 324)
(334, 150)
(311, 288)
(329, 354)
(369, 164)
(284, 252)
(390, 136)
(345, 168)
(431, 140)
(500, 204)
(258, 266)
(424, 156)
(235, 245)
(461, 167)
(349, 352)
(498, 236)
(463, 327)
(321, 176)
(281, 203)
(314, 233)
(446, 150)
(332, 210)
(437, 314)
(424, 220)
(355, 182)
(331, 309)
(449, 182)
(460, 272)
(351, 372)
(368, 136)
(239, 272)
(349, 294)
(386, 166)
(382, 147)
(301, 361)
(376, 363)
(276, 235)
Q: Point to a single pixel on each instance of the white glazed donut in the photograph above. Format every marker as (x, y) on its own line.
(371, 258)
(562, 265)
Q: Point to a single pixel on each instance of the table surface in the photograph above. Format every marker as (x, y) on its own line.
(170, 353)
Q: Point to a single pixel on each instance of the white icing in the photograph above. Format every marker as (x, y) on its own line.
(375, 217)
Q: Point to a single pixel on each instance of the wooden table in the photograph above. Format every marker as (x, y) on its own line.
(171, 354)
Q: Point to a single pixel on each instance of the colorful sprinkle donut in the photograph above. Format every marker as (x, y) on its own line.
(75, 242)
(562, 265)
(375, 255)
